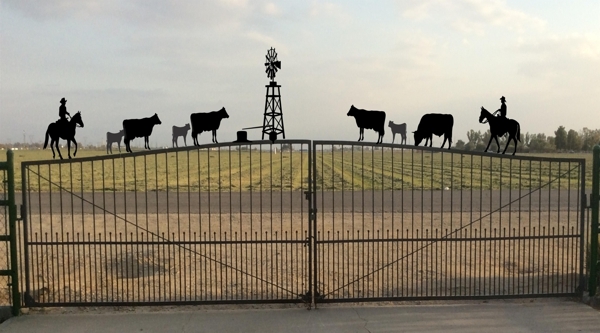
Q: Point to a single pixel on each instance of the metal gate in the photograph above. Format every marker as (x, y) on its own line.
(301, 221)
(399, 223)
(219, 223)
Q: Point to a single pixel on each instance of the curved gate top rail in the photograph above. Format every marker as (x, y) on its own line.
(301, 221)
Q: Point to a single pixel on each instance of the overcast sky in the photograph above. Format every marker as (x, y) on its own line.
(115, 59)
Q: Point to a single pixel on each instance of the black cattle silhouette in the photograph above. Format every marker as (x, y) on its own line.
(398, 128)
(368, 119)
(499, 126)
(114, 138)
(137, 128)
(434, 123)
(207, 121)
(180, 131)
(63, 130)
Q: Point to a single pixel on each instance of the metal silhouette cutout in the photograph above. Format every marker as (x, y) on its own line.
(273, 116)
(63, 129)
(138, 128)
(434, 123)
(499, 126)
(398, 129)
(368, 119)
(502, 108)
(114, 138)
(207, 121)
(242, 137)
(180, 131)
(62, 110)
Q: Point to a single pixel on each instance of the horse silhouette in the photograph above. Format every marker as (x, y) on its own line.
(500, 126)
(63, 130)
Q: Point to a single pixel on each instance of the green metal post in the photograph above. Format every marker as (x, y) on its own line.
(12, 215)
(595, 203)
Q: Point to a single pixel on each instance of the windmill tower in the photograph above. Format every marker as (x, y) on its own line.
(273, 117)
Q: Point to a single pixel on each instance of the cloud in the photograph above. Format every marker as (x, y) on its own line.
(472, 16)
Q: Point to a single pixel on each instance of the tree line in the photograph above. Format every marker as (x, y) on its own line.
(562, 141)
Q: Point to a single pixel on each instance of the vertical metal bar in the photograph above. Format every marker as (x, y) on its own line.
(595, 203)
(12, 226)
(25, 217)
(312, 224)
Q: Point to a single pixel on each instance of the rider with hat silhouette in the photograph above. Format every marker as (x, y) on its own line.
(502, 108)
(62, 111)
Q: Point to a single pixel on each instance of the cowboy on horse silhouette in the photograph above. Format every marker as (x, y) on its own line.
(62, 112)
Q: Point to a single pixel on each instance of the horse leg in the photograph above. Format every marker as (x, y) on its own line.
(393, 137)
(214, 132)
(127, 148)
(119, 145)
(489, 143)
(497, 144)
(184, 142)
(57, 149)
(75, 142)
(52, 147)
(69, 148)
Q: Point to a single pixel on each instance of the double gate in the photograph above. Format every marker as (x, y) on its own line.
(300, 221)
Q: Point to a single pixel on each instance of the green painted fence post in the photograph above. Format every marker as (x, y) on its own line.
(595, 203)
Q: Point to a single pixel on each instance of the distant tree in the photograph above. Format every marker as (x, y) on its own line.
(527, 139)
(573, 140)
(589, 138)
(561, 138)
(538, 143)
(474, 139)
(460, 144)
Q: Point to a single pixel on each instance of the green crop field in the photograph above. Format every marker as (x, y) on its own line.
(228, 169)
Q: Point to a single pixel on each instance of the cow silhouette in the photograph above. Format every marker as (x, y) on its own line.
(138, 128)
(368, 119)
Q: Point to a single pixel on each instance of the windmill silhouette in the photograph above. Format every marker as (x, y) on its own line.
(273, 116)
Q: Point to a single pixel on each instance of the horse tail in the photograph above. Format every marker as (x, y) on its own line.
(519, 132)
(47, 135)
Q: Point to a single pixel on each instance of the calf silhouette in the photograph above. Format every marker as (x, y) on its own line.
(180, 131)
(434, 123)
(374, 120)
(112, 138)
(138, 128)
(398, 128)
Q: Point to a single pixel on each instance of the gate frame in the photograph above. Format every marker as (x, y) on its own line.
(312, 296)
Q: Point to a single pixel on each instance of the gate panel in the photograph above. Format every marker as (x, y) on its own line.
(219, 223)
(404, 222)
